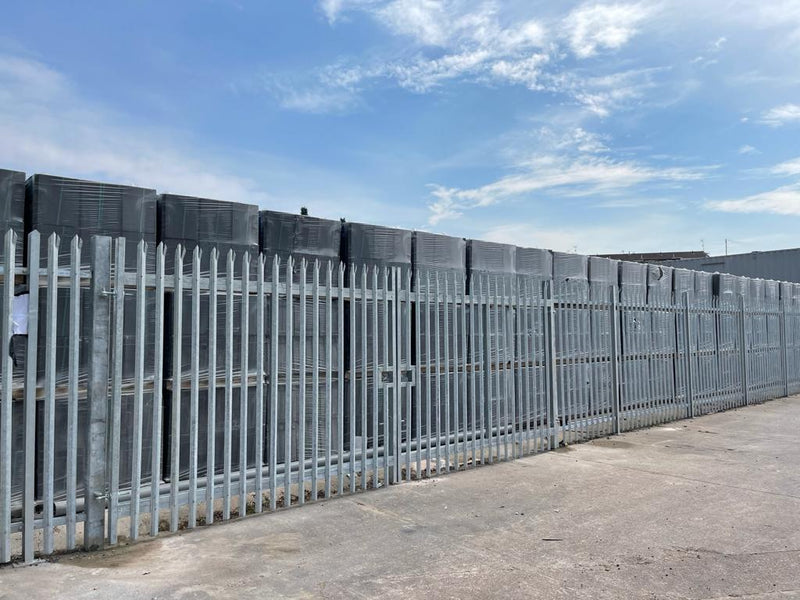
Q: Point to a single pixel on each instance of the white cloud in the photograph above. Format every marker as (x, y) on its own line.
(580, 176)
(481, 42)
(783, 201)
(788, 168)
(593, 27)
(781, 115)
(748, 149)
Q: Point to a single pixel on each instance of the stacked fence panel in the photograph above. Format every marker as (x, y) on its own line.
(439, 406)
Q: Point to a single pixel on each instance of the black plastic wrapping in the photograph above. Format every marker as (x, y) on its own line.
(70, 207)
(12, 216)
(370, 247)
(662, 325)
(12, 211)
(225, 226)
(491, 270)
(444, 259)
(534, 268)
(603, 274)
(682, 282)
(534, 262)
(301, 237)
(728, 288)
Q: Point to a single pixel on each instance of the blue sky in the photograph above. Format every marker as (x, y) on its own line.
(589, 127)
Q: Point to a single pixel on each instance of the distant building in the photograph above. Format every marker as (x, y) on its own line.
(780, 265)
(656, 257)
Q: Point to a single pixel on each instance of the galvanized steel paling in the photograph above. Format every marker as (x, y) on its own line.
(439, 377)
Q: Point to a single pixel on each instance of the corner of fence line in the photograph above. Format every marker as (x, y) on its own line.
(95, 475)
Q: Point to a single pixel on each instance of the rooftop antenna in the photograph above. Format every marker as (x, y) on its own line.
(726, 246)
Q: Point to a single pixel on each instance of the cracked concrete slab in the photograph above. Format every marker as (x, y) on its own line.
(705, 508)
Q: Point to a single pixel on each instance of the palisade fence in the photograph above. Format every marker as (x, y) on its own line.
(339, 379)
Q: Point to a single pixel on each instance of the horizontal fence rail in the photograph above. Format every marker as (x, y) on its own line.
(166, 390)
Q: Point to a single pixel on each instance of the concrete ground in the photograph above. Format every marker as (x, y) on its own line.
(707, 508)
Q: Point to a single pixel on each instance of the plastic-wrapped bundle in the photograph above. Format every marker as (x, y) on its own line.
(70, 207)
(225, 226)
(659, 283)
(603, 281)
(572, 334)
(662, 326)
(491, 270)
(12, 216)
(786, 292)
(706, 376)
(636, 335)
(534, 268)
(12, 210)
(442, 259)
(534, 264)
(728, 289)
(758, 335)
(370, 247)
(772, 306)
(603, 274)
(317, 241)
(682, 283)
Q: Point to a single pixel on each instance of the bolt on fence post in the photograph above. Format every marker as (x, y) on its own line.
(95, 475)
(688, 349)
(743, 346)
(615, 391)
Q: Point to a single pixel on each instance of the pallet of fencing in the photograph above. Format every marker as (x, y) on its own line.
(311, 398)
(757, 341)
(12, 219)
(66, 213)
(683, 291)
(374, 256)
(730, 292)
(491, 274)
(439, 408)
(664, 342)
(208, 334)
(637, 398)
(572, 339)
(603, 287)
(705, 379)
(790, 300)
(534, 269)
(774, 360)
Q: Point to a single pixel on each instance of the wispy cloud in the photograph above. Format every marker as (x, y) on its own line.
(477, 42)
(582, 176)
(787, 168)
(781, 115)
(747, 149)
(782, 201)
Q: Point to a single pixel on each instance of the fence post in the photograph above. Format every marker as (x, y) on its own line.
(688, 350)
(9, 264)
(615, 381)
(743, 346)
(95, 477)
(784, 344)
(550, 347)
